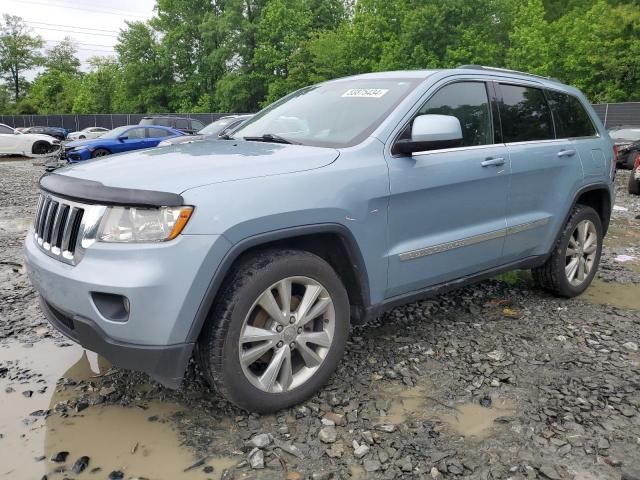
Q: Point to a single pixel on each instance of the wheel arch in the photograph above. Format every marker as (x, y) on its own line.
(597, 197)
(332, 242)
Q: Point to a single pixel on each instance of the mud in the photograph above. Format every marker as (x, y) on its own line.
(138, 441)
(498, 380)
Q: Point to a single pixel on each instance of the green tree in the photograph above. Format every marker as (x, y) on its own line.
(531, 40)
(19, 52)
(63, 57)
(100, 88)
(146, 73)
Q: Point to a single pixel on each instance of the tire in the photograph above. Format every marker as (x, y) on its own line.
(634, 184)
(81, 137)
(100, 152)
(237, 309)
(40, 147)
(552, 276)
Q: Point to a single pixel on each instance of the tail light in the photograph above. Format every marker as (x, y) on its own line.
(636, 162)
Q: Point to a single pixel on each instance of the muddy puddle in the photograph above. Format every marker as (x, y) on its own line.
(614, 294)
(113, 437)
(15, 225)
(467, 419)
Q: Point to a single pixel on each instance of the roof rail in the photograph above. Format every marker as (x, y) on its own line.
(505, 70)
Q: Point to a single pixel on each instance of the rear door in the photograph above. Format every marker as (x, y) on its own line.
(156, 135)
(545, 170)
(574, 123)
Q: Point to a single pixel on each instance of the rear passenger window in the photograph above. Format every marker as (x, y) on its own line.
(158, 133)
(572, 120)
(469, 103)
(525, 114)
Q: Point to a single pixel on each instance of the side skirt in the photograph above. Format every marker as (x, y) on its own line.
(375, 311)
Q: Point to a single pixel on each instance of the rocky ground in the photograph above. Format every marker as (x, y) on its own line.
(495, 381)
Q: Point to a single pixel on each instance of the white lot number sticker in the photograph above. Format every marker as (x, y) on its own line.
(365, 92)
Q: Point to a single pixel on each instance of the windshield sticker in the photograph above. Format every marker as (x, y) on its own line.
(365, 92)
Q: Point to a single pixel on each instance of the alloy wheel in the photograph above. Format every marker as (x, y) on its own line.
(581, 252)
(287, 334)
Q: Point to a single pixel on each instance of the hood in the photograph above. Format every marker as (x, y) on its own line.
(180, 167)
(39, 136)
(82, 143)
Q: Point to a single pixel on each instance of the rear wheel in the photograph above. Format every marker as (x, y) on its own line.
(277, 332)
(574, 261)
(100, 152)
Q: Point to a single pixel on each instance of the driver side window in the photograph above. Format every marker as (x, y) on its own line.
(469, 103)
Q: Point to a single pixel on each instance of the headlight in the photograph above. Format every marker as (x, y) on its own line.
(133, 224)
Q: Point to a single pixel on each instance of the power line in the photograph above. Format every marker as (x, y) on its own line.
(78, 32)
(72, 26)
(82, 43)
(73, 7)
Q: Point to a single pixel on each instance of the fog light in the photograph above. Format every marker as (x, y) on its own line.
(111, 306)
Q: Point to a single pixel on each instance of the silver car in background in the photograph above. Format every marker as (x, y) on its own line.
(214, 130)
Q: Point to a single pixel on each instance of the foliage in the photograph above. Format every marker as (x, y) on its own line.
(19, 52)
(238, 55)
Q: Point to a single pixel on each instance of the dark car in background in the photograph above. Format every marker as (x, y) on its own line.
(121, 139)
(56, 132)
(627, 140)
(186, 125)
(214, 130)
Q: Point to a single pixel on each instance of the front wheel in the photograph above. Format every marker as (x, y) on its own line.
(100, 152)
(574, 261)
(277, 332)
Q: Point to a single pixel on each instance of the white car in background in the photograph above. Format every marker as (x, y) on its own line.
(87, 133)
(13, 142)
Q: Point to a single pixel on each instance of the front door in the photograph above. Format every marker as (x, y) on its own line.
(447, 210)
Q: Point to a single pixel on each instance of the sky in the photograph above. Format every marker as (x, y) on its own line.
(93, 25)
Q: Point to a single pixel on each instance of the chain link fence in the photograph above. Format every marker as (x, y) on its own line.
(611, 114)
(106, 120)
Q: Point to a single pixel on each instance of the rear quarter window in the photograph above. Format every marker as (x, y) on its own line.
(572, 120)
(525, 114)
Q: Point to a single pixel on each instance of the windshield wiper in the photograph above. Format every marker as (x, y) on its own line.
(270, 137)
(226, 136)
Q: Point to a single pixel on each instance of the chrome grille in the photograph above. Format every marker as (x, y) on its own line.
(57, 226)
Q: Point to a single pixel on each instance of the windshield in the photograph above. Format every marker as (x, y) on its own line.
(116, 132)
(216, 127)
(631, 134)
(334, 114)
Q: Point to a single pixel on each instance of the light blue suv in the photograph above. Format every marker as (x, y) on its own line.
(334, 204)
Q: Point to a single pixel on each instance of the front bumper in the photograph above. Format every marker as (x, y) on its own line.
(74, 156)
(166, 364)
(164, 284)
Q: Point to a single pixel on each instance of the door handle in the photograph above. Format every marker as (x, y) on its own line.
(566, 153)
(493, 162)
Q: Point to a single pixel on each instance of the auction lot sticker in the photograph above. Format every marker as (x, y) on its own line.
(365, 92)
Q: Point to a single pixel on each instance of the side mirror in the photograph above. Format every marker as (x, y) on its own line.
(431, 132)
(123, 138)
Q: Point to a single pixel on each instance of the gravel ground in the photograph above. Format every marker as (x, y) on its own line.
(498, 380)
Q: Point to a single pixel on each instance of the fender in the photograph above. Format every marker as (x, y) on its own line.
(587, 188)
(264, 238)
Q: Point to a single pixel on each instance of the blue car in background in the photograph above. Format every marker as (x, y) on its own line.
(121, 139)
